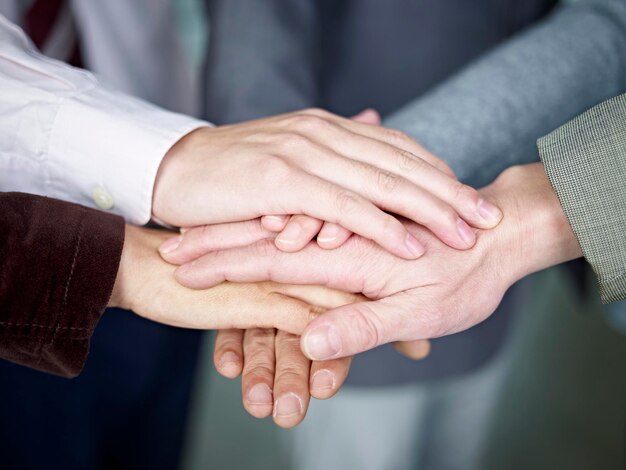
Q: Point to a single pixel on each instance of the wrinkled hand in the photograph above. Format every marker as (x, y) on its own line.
(444, 292)
(277, 379)
(320, 165)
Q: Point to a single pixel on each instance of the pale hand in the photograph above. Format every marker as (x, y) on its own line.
(320, 165)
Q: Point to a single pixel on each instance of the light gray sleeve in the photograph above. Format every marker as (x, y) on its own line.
(585, 160)
(489, 116)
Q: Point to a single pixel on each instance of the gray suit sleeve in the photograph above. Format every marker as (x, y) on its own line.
(585, 160)
(263, 58)
(489, 116)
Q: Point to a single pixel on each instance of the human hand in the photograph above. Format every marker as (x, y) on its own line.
(277, 379)
(444, 292)
(146, 285)
(295, 231)
(318, 164)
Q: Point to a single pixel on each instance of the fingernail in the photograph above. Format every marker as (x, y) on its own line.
(290, 234)
(170, 245)
(328, 234)
(288, 405)
(323, 380)
(414, 246)
(489, 212)
(229, 359)
(322, 343)
(465, 232)
(260, 394)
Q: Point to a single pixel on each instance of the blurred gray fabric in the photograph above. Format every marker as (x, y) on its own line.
(489, 116)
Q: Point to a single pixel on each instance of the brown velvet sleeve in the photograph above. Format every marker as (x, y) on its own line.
(58, 264)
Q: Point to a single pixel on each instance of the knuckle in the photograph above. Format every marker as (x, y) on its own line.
(296, 140)
(464, 193)
(390, 226)
(398, 137)
(316, 111)
(306, 122)
(314, 312)
(290, 374)
(407, 162)
(366, 332)
(288, 340)
(274, 167)
(386, 182)
(256, 372)
(346, 202)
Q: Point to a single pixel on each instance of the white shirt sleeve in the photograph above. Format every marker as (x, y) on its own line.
(64, 135)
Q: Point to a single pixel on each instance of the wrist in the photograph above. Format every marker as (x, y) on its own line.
(171, 173)
(534, 233)
(120, 297)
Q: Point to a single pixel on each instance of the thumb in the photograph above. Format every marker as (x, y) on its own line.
(368, 116)
(354, 328)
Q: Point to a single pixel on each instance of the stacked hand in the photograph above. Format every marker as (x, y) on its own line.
(307, 199)
(443, 292)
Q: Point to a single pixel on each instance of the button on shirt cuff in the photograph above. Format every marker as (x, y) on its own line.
(105, 149)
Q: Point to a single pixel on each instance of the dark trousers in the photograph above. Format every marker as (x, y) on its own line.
(126, 410)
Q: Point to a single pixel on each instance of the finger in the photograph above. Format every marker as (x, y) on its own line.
(327, 377)
(291, 383)
(334, 203)
(416, 350)
(332, 236)
(393, 179)
(257, 380)
(393, 137)
(274, 223)
(396, 194)
(368, 116)
(200, 240)
(262, 261)
(356, 328)
(300, 230)
(243, 306)
(228, 353)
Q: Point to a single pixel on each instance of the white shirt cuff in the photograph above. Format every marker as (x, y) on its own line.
(105, 149)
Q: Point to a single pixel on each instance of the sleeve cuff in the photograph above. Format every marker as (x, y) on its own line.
(60, 263)
(105, 149)
(92, 275)
(585, 161)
